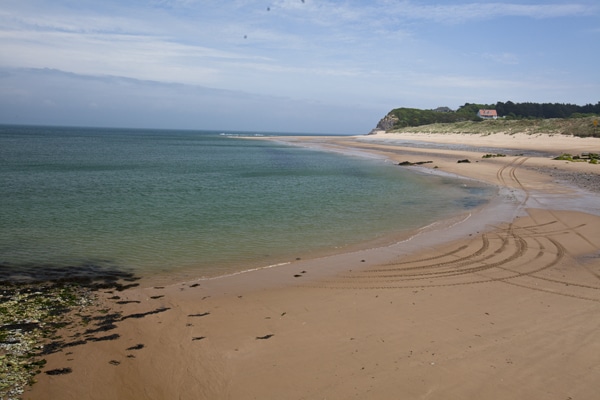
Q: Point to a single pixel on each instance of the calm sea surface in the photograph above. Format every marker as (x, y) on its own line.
(198, 202)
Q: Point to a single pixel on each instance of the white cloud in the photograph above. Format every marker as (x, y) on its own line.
(174, 3)
(502, 58)
(467, 82)
(458, 13)
(139, 56)
(339, 52)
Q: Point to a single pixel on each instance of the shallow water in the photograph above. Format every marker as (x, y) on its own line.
(456, 146)
(202, 203)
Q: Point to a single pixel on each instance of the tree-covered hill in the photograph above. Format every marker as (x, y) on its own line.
(410, 117)
(545, 110)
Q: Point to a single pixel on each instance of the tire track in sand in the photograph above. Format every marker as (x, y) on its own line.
(527, 256)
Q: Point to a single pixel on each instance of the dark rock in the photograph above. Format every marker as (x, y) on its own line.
(59, 371)
(142, 315)
(269, 336)
(199, 314)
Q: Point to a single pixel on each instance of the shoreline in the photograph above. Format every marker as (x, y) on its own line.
(411, 318)
(328, 143)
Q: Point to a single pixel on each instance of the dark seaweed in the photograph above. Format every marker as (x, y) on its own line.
(199, 314)
(59, 371)
(114, 336)
(92, 275)
(142, 315)
(269, 336)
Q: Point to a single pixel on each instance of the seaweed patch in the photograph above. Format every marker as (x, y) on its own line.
(199, 314)
(38, 300)
(269, 336)
(142, 315)
(59, 371)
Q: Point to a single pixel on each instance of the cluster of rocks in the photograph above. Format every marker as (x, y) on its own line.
(586, 181)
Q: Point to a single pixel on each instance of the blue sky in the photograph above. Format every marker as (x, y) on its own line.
(286, 65)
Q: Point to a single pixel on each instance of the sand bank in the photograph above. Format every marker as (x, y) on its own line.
(499, 304)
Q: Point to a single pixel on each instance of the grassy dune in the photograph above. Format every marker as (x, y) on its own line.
(582, 127)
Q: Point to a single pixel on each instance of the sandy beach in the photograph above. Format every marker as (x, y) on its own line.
(500, 303)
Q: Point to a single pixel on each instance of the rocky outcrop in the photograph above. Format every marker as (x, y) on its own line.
(387, 122)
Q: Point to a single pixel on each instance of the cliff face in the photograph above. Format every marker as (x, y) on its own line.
(387, 122)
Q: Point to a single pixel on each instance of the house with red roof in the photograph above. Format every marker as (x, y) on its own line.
(487, 114)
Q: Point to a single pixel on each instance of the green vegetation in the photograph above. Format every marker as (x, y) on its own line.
(416, 117)
(494, 155)
(552, 118)
(545, 110)
(405, 117)
(29, 317)
(592, 158)
(582, 127)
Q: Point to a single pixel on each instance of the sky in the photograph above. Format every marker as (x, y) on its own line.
(313, 66)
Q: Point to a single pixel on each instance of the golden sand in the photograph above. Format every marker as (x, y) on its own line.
(476, 308)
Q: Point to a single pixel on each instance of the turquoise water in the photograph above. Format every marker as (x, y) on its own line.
(198, 202)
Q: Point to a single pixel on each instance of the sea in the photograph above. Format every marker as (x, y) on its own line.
(184, 203)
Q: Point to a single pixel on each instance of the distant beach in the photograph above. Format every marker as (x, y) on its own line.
(507, 294)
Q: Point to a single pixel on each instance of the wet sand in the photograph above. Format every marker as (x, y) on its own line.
(501, 303)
